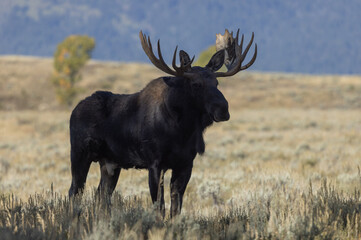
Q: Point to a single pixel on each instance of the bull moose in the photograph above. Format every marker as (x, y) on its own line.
(159, 128)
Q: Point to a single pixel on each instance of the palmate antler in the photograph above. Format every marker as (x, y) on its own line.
(234, 56)
(185, 62)
(233, 60)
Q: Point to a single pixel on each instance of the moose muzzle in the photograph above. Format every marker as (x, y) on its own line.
(218, 107)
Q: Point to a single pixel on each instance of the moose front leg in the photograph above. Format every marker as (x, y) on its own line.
(178, 184)
(109, 178)
(156, 187)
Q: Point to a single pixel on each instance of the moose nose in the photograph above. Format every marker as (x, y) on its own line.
(226, 116)
(222, 115)
(221, 112)
(219, 107)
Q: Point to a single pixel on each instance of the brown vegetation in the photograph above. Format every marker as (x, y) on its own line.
(285, 166)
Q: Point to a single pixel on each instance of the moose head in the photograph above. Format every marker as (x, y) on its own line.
(202, 81)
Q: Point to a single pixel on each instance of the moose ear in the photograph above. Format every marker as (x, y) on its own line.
(185, 60)
(216, 61)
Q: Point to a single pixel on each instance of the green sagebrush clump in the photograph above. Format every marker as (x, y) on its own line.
(70, 56)
(326, 214)
(204, 57)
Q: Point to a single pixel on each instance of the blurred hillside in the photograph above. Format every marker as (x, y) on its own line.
(25, 85)
(310, 36)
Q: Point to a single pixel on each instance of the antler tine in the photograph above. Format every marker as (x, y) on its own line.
(177, 69)
(236, 47)
(252, 60)
(159, 63)
(236, 40)
(241, 45)
(170, 71)
(240, 56)
(247, 48)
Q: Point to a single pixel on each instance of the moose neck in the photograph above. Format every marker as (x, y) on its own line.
(189, 122)
(169, 106)
(183, 108)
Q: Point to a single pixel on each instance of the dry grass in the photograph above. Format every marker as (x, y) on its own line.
(284, 167)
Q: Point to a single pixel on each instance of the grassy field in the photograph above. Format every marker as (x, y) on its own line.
(285, 166)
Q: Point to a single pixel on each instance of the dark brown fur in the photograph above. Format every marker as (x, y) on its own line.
(158, 128)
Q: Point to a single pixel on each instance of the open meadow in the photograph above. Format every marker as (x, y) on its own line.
(285, 166)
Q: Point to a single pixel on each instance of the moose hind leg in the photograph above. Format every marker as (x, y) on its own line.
(79, 170)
